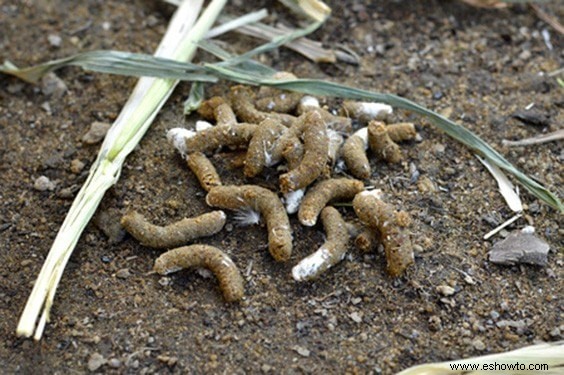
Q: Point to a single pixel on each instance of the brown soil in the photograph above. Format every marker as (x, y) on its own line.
(483, 64)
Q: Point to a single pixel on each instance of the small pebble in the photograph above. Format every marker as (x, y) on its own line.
(446, 290)
(96, 361)
(43, 183)
(435, 323)
(76, 166)
(478, 345)
(114, 363)
(302, 351)
(53, 86)
(54, 40)
(439, 148)
(123, 273)
(356, 317)
(96, 133)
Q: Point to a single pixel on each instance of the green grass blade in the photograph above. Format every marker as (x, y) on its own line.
(195, 98)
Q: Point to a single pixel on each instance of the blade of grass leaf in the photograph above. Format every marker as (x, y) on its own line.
(235, 23)
(195, 98)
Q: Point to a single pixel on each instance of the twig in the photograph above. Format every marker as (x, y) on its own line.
(547, 18)
(550, 137)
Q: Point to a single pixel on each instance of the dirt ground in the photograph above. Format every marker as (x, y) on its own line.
(483, 64)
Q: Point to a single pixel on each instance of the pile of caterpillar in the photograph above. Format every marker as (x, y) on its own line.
(313, 147)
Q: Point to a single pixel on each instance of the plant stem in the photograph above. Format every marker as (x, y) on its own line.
(149, 95)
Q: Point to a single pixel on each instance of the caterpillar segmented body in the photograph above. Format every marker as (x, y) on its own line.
(365, 112)
(173, 235)
(204, 170)
(242, 101)
(212, 139)
(270, 207)
(227, 273)
(324, 192)
(391, 227)
(217, 109)
(262, 151)
(381, 143)
(316, 145)
(330, 253)
(353, 153)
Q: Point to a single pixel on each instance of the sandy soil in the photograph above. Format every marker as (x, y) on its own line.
(482, 64)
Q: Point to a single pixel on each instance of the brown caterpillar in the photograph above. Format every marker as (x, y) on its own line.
(270, 207)
(381, 143)
(271, 99)
(391, 227)
(175, 234)
(262, 151)
(330, 253)
(211, 139)
(242, 102)
(401, 131)
(324, 192)
(204, 170)
(227, 273)
(217, 109)
(333, 122)
(365, 112)
(335, 143)
(316, 145)
(366, 240)
(353, 153)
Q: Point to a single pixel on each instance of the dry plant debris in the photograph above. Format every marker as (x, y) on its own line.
(278, 127)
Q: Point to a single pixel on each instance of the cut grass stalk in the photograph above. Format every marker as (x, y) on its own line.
(150, 94)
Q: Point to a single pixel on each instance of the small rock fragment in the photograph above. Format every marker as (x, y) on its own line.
(123, 273)
(302, 351)
(76, 166)
(446, 290)
(43, 183)
(54, 40)
(96, 361)
(53, 86)
(532, 117)
(96, 133)
(520, 246)
(356, 317)
(478, 345)
(114, 363)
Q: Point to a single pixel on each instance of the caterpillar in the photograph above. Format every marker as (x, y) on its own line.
(216, 108)
(324, 192)
(353, 153)
(316, 145)
(204, 170)
(391, 227)
(242, 102)
(175, 234)
(365, 112)
(330, 253)
(262, 151)
(267, 204)
(381, 143)
(227, 273)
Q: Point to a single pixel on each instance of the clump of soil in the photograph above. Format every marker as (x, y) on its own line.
(482, 66)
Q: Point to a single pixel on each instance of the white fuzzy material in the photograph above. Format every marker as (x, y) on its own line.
(247, 216)
(376, 111)
(528, 230)
(309, 101)
(293, 200)
(202, 125)
(335, 142)
(310, 265)
(376, 193)
(177, 136)
(362, 134)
